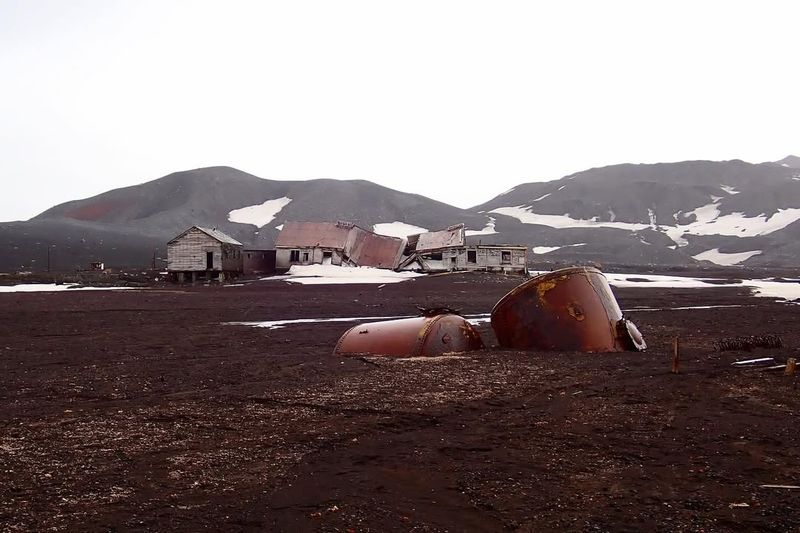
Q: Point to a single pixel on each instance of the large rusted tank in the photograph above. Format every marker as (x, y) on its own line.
(568, 309)
(411, 337)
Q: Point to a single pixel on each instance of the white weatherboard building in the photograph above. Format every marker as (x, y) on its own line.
(204, 253)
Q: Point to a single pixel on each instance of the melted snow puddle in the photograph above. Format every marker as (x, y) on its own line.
(278, 324)
(52, 287)
(637, 309)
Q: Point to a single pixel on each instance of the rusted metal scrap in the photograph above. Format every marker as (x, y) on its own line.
(568, 309)
(429, 335)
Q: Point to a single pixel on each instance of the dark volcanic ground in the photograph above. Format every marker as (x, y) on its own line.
(138, 410)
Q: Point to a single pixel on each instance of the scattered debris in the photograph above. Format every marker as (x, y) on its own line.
(748, 342)
(759, 361)
(676, 356)
(739, 505)
(788, 487)
(568, 309)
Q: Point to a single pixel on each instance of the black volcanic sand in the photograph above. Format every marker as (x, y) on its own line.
(138, 410)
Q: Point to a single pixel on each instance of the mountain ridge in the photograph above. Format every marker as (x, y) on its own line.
(659, 214)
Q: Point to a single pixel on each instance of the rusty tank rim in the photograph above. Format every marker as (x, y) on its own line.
(544, 277)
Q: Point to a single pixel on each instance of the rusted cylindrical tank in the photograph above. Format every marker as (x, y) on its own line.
(411, 337)
(568, 309)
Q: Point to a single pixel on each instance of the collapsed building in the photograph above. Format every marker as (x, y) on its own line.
(447, 250)
(335, 243)
(347, 244)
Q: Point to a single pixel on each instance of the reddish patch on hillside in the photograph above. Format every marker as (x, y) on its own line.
(95, 211)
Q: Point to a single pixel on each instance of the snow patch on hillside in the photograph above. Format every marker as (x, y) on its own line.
(727, 259)
(542, 197)
(488, 230)
(563, 221)
(397, 229)
(259, 215)
(729, 190)
(708, 221)
(539, 250)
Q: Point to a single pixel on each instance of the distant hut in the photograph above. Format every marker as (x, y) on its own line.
(204, 253)
(447, 250)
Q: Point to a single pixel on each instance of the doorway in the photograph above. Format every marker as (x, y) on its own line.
(327, 258)
(209, 260)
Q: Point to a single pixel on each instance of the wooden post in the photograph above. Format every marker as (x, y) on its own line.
(675, 355)
(791, 365)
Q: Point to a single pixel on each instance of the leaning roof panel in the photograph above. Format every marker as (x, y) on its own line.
(437, 240)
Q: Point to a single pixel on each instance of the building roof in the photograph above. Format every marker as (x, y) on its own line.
(214, 233)
(314, 235)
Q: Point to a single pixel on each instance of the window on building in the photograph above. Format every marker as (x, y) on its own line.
(505, 256)
(305, 257)
(472, 256)
(294, 256)
(435, 257)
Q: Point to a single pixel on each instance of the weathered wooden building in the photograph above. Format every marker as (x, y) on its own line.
(204, 253)
(335, 243)
(447, 250)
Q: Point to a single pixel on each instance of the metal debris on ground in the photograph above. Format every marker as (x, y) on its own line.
(568, 309)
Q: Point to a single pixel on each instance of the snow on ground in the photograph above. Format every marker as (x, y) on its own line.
(729, 190)
(279, 228)
(488, 230)
(542, 197)
(332, 274)
(766, 288)
(654, 281)
(774, 289)
(259, 215)
(727, 259)
(278, 324)
(397, 229)
(563, 221)
(52, 287)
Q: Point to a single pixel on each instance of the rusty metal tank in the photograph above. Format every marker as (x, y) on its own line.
(568, 309)
(411, 337)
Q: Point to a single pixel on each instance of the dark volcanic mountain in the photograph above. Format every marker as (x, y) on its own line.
(791, 161)
(128, 226)
(728, 212)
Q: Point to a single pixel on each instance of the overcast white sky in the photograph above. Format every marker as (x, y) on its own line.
(458, 101)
